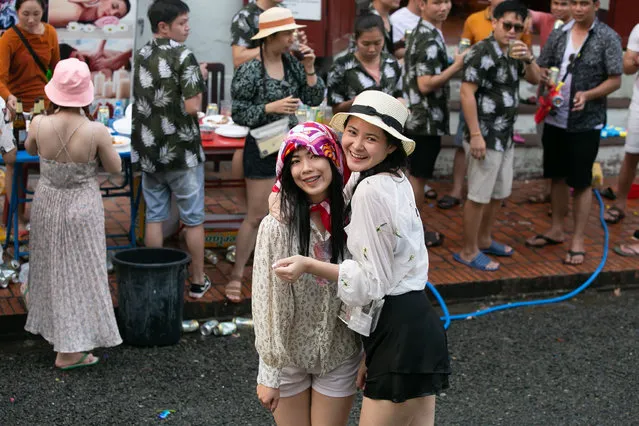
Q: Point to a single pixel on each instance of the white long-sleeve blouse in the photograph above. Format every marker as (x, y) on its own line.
(296, 325)
(385, 240)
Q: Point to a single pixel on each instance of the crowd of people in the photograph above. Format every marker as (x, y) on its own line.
(333, 215)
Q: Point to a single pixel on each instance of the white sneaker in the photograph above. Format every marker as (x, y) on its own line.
(198, 290)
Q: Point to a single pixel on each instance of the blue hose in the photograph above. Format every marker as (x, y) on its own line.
(447, 318)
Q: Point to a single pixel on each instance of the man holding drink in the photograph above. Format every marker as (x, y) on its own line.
(489, 96)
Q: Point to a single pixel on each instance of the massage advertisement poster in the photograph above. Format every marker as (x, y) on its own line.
(102, 34)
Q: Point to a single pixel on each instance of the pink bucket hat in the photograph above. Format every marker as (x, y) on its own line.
(71, 85)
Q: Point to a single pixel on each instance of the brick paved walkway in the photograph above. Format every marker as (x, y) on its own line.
(526, 271)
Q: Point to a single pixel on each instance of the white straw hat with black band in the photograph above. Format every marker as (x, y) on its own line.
(274, 20)
(381, 110)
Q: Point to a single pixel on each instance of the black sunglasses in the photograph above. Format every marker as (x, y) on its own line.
(519, 28)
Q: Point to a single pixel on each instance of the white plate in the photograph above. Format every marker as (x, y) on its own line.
(216, 121)
(123, 126)
(232, 131)
(124, 142)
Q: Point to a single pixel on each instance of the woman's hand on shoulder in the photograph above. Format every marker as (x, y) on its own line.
(269, 397)
(291, 268)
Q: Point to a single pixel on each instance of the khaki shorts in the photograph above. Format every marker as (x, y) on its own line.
(490, 178)
(338, 383)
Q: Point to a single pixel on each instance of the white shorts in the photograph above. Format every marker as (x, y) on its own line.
(337, 383)
(490, 178)
(632, 138)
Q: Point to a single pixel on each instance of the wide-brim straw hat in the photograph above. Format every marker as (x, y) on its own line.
(274, 20)
(71, 84)
(381, 110)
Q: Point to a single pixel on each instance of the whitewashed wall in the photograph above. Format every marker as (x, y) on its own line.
(210, 37)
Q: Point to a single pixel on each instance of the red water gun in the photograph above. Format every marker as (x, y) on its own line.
(547, 103)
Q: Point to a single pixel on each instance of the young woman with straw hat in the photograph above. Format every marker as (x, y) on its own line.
(406, 361)
(266, 90)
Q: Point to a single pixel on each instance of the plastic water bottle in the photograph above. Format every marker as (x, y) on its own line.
(118, 111)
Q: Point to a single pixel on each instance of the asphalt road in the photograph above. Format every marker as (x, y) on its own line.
(569, 364)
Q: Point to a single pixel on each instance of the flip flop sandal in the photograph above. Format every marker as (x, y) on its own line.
(609, 194)
(573, 254)
(431, 194)
(234, 292)
(81, 363)
(448, 202)
(621, 252)
(498, 249)
(433, 239)
(617, 215)
(480, 262)
(547, 242)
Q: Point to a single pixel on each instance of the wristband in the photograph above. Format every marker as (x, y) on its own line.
(311, 73)
(472, 135)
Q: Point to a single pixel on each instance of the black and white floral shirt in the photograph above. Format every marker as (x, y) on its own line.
(164, 136)
(426, 55)
(601, 57)
(252, 89)
(348, 78)
(245, 24)
(497, 78)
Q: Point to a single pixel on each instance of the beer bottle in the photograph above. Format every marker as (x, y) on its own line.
(36, 108)
(19, 126)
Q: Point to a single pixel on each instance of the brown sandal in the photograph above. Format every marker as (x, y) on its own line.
(233, 290)
(615, 215)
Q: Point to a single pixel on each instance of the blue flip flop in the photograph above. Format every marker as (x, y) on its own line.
(480, 262)
(497, 249)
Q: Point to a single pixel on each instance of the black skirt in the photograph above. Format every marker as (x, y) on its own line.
(256, 167)
(407, 354)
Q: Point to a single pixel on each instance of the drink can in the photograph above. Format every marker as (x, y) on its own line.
(207, 328)
(210, 256)
(225, 329)
(103, 115)
(190, 326)
(464, 44)
(211, 109)
(553, 76)
(243, 322)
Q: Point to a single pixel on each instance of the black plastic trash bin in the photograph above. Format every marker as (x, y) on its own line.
(151, 294)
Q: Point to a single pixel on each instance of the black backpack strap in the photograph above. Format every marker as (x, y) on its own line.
(37, 60)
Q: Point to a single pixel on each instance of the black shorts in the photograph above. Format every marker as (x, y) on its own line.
(407, 354)
(421, 163)
(570, 155)
(256, 167)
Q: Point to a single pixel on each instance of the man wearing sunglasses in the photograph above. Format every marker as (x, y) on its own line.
(489, 96)
(477, 27)
(590, 58)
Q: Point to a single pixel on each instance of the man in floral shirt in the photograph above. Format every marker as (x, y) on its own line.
(427, 88)
(166, 137)
(489, 96)
(244, 26)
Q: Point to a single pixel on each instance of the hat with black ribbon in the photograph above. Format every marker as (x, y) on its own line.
(381, 110)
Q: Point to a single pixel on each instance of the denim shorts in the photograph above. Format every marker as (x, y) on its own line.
(188, 187)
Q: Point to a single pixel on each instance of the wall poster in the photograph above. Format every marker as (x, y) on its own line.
(102, 34)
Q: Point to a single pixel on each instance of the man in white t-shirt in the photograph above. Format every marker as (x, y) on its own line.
(631, 158)
(404, 19)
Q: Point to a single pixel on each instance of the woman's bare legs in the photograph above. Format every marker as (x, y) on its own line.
(413, 412)
(329, 411)
(257, 191)
(294, 410)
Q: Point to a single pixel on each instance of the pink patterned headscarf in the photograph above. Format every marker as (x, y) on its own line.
(319, 139)
(322, 141)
